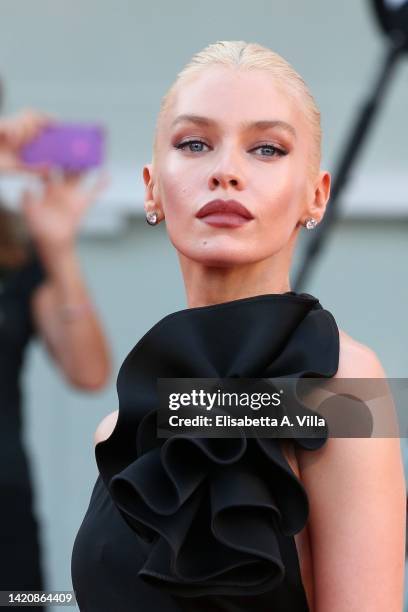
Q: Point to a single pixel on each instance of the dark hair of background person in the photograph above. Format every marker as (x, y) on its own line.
(14, 241)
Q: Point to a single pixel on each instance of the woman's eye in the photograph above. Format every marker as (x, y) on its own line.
(269, 150)
(195, 146)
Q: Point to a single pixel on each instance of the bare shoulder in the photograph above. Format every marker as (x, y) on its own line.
(106, 427)
(355, 455)
(356, 493)
(357, 360)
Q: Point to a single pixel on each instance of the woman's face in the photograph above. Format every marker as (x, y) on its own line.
(232, 135)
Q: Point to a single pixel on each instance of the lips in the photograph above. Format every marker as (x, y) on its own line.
(225, 209)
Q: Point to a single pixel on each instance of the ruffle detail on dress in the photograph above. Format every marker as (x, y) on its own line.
(211, 508)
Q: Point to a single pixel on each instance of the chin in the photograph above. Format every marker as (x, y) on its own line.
(212, 256)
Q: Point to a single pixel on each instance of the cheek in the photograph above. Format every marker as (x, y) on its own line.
(177, 188)
(177, 196)
(280, 195)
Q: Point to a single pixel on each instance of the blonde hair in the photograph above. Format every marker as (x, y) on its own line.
(250, 56)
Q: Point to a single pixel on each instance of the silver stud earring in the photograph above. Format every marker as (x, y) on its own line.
(151, 218)
(310, 223)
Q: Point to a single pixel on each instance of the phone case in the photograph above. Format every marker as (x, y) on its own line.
(68, 146)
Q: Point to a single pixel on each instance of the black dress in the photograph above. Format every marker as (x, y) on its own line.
(202, 524)
(20, 566)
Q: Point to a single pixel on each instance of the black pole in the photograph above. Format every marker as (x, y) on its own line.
(352, 149)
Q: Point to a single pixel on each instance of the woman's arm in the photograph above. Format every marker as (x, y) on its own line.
(68, 324)
(62, 308)
(356, 491)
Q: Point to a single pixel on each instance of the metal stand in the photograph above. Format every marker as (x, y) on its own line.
(352, 149)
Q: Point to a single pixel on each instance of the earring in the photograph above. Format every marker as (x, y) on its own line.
(151, 218)
(310, 223)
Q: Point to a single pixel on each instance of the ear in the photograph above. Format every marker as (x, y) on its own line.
(148, 181)
(321, 195)
(151, 202)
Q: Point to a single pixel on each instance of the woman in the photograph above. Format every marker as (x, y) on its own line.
(250, 524)
(43, 293)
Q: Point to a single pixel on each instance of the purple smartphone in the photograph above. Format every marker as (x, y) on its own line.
(69, 146)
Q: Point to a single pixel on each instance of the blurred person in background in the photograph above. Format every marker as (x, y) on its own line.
(43, 293)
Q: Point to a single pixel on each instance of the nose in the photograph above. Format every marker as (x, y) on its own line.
(226, 174)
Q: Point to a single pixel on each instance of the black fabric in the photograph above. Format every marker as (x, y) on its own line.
(20, 556)
(16, 329)
(193, 524)
(20, 566)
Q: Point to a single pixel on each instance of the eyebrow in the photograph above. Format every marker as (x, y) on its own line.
(244, 125)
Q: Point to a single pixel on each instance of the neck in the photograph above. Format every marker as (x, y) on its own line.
(206, 285)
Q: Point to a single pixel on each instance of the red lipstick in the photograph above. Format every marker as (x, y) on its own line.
(224, 213)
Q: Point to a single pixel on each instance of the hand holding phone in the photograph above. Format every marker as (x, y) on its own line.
(16, 131)
(72, 147)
